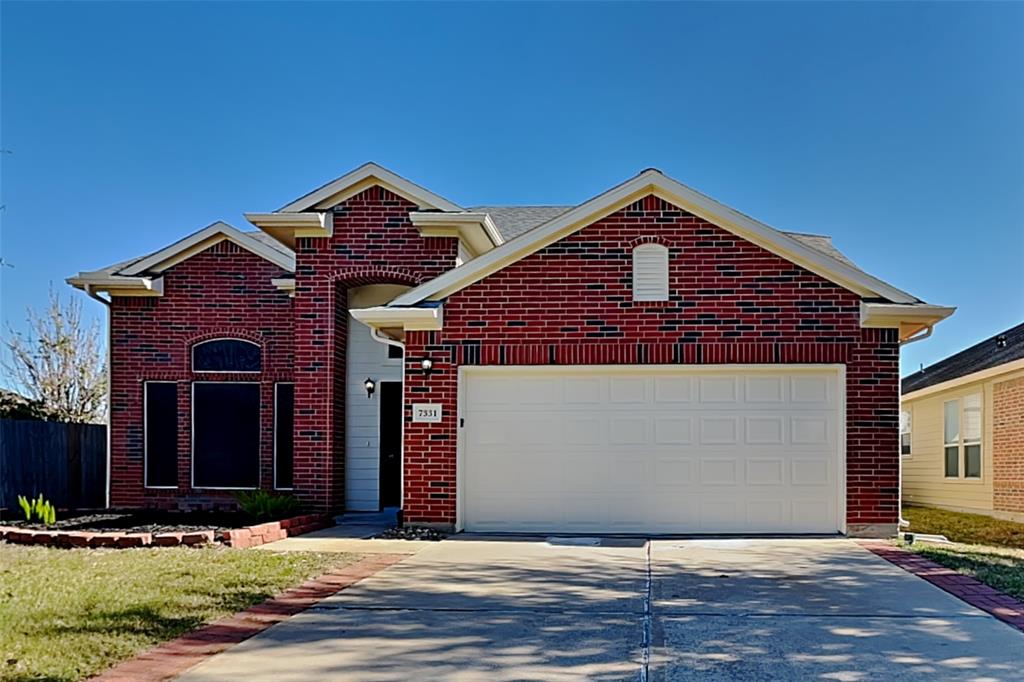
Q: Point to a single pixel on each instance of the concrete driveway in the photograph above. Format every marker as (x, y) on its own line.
(482, 609)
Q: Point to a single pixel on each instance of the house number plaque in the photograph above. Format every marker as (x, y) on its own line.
(426, 412)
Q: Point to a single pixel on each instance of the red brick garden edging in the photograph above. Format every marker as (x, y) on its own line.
(250, 536)
(172, 658)
(976, 593)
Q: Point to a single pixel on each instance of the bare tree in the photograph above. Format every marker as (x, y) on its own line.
(60, 362)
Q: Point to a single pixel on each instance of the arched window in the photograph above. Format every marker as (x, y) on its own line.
(226, 355)
(650, 273)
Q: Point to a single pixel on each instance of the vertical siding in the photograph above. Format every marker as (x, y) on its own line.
(366, 358)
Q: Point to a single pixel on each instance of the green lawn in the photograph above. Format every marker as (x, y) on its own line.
(971, 529)
(66, 614)
(991, 550)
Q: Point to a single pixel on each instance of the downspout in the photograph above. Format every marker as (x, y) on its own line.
(903, 523)
(387, 341)
(110, 409)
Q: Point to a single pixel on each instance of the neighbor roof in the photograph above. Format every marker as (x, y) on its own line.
(996, 350)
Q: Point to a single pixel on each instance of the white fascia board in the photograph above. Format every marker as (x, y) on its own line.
(367, 175)
(888, 315)
(409, 319)
(287, 227)
(204, 239)
(117, 285)
(476, 230)
(980, 375)
(654, 182)
(285, 284)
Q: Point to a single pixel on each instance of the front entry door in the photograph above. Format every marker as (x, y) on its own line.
(390, 444)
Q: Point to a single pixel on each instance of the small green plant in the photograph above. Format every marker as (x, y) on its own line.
(265, 506)
(39, 510)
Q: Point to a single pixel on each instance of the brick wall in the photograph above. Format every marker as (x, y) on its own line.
(1008, 445)
(222, 291)
(374, 242)
(731, 302)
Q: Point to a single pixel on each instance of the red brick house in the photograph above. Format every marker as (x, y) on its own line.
(648, 361)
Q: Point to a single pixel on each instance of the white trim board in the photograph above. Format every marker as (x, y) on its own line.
(646, 183)
(368, 175)
(204, 239)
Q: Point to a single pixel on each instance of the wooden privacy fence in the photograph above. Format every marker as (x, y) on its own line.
(67, 463)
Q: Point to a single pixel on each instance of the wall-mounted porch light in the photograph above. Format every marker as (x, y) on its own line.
(370, 387)
(426, 364)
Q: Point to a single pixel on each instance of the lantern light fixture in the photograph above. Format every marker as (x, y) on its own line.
(426, 364)
(370, 387)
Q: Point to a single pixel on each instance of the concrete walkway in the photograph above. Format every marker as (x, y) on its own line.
(501, 609)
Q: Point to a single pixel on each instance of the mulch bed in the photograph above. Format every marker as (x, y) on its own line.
(142, 521)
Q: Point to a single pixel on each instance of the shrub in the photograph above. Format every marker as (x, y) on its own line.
(39, 510)
(265, 506)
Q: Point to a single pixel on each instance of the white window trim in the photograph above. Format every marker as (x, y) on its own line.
(145, 436)
(192, 439)
(224, 371)
(651, 248)
(962, 443)
(292, 384)
(909, 411)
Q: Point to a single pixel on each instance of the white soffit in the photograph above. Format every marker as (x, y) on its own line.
(674, 192)
(409, 319)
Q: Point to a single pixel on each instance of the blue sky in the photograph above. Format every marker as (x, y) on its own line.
(896, 128)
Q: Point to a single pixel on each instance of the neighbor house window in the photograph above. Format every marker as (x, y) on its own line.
(905, 427)
(962, 437)
(225, 435)
(650, 273)
(226, 355)
(160, 434)
(972, 436)
(284, 420)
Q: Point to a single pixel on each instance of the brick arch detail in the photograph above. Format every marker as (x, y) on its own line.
(225, 333)
(650, 239)
(357, 277)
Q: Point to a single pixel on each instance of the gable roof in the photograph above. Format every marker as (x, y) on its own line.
(144, 272)
(999, 349)
(367, 175)
(819, 257)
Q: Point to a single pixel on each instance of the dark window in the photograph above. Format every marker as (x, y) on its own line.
(226, 355)
(395, 352)
(284, 411)
(225, 435)
(161, 437)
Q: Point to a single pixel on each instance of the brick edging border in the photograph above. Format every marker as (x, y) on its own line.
(249, 536)
(170, 659)
(976, 593)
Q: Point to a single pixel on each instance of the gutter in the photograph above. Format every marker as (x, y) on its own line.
(110, 326)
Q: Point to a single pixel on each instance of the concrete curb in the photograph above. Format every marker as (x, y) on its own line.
(170, 659)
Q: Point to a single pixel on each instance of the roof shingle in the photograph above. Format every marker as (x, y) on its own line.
(996, 350)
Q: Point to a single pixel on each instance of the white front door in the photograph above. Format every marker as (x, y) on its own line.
(651, 449)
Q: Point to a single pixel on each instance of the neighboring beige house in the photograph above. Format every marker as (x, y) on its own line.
(962, 430)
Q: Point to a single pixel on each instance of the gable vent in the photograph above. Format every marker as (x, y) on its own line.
(650, 273)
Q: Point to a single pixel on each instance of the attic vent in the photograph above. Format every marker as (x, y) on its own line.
(650, 273)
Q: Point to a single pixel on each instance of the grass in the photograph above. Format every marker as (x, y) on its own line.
(971, 529)
(66, 614)
(990, 550)
(1000, 568)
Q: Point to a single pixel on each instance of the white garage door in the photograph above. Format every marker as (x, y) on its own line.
(651, 450)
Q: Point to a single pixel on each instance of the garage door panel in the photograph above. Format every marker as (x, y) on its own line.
(669, 451)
